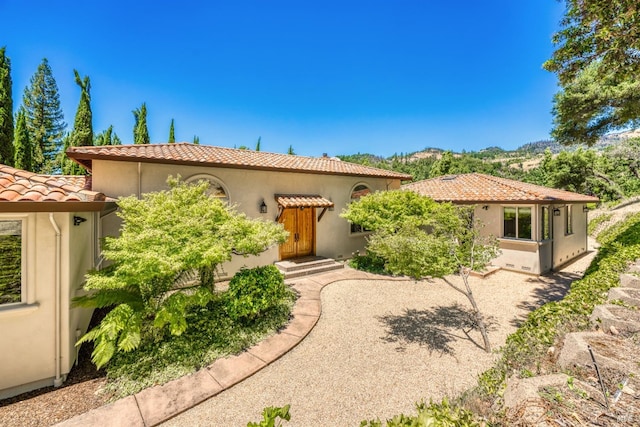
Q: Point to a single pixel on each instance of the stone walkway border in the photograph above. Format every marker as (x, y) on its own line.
(157, 404)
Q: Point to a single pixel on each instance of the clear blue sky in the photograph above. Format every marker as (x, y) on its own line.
(340, 77)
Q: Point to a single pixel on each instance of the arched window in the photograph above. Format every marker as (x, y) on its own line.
(216, 188)
(359, 190)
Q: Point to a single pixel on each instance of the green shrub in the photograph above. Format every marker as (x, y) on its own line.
(369, 263)
(255, 291)
(435, 414)
(270, 415)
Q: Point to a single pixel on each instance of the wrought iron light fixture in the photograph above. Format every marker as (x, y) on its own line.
(263, 207)
(77, 220)
(556, 211)
(585, 209)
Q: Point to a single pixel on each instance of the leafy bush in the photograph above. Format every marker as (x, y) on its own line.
(211, 334)
(255, 291)
(270, 415)
(368, 262)
(435, 414)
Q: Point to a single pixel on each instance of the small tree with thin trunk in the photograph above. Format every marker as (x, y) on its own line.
(417, 237)
(172, 133)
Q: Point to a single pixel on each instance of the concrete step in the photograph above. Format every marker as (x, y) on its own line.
(314, 270)
(305, 263)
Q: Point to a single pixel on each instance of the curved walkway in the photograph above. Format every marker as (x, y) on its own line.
(380, 346)
(160, 403)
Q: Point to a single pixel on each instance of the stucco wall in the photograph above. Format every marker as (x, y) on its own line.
(567, 247)
(28, 329)
(246, 190)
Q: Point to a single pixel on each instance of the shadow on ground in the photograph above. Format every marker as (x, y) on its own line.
(552, 287)
(435, 328)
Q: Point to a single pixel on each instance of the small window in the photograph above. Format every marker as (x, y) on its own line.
(10, 261)
(358, 191)
(568, 219)
(517, 223)
(216, 189)
(545, 224)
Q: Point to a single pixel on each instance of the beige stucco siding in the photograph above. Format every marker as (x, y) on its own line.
(28, 329)
(246, 189)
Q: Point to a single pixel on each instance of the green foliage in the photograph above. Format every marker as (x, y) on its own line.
(23, 146)
(6, 110)
(594, 104)
(368, 262)
(271, 414)
(442, 414)
(107, 137)
(258, 143)
(290, 151)
(172, 133)
(527, 346)
(45, 120)
(140, 130)
(595, 31)
(255, 291)
(82, 133)
(165, 235)
(594, 223)
(210, 334)
(196, 140)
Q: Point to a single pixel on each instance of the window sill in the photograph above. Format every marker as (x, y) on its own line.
(20, 309)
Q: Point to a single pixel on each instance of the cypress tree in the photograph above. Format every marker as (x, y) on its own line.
(6, 110)
(196, 139)
(107, 137)
(23, 143)
(82, 133)
(140, 131)
(172, 133)
(45, 120)
(258, 144)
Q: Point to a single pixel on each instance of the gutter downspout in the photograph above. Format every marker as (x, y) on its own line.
(139, 179)
(57, 382)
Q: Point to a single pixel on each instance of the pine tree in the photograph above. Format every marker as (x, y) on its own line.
(45, 120)
(82, 133)
(107, 137)
(172, 133)
(6, 110)
(23, 144)
(140, 131)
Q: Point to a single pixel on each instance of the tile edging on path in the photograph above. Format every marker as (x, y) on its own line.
(160, 403)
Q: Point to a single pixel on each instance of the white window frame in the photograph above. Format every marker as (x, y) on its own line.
(568, 220)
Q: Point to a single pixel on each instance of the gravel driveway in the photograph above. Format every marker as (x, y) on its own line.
(380, 346)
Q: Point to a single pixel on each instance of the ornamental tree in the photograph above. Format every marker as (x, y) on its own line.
(166, 236)
(418, 237)
(6, 110)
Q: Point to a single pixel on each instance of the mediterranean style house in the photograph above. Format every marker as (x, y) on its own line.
(305, 194)
(538, 228)
(50, 230)
(48, 241)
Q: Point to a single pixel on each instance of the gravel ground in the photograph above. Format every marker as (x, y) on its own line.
(380, 346)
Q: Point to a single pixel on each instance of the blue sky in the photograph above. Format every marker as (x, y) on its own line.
(336, 77)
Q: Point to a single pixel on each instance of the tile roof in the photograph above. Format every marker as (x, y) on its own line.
(294, 201)
(476, 187)
(21, 186)
(192, 154)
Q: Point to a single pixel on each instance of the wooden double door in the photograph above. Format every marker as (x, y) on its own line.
(301, 225)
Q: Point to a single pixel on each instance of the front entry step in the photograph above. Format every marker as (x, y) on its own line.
(305, 266)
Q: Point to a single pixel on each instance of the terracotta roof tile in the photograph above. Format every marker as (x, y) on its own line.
(185, 153)
(476, 188)
(295, 200)
(18, 185)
